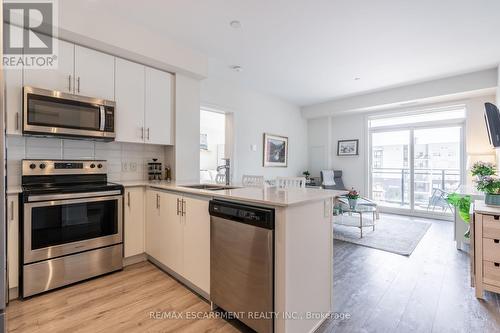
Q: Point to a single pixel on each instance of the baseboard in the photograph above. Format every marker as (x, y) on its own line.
(135, 259)
(179, 278)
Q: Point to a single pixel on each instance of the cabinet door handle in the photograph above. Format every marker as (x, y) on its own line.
(69, 83)
(177, 206)
(78, 84)
(496, 241)
(12, 210)
(128, 199)
(183, 207)
(497, 264)
(17, 120)
(147, 131)
(142, 133)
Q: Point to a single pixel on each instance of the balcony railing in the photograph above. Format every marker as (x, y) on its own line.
(392, 185)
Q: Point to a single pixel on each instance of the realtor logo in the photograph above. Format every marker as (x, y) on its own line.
(28, 34)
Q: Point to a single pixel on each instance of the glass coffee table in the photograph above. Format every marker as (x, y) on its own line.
(360, 209)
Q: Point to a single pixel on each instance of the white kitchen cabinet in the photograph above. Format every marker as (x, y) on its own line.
(94, 73)
(134, 221)
(13, 100)
(155, 229)
(196, 244)
(178, 235)
(158, 106)
(62, 78)
(129, 89)
(13, 240)
(173, 236)
(163, 229)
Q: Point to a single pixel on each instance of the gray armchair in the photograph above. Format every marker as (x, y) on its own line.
(337, 178)
(332, 180)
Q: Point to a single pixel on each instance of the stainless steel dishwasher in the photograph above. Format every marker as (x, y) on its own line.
(242, 262)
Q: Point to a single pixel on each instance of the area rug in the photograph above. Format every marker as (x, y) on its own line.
(400, 236)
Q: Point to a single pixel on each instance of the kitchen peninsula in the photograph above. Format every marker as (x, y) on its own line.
(303, 243)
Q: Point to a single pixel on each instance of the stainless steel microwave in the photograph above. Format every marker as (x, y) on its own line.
(54, 113)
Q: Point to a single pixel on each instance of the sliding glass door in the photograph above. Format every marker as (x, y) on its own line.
(437, 166)
(414, 165)
(390, 168)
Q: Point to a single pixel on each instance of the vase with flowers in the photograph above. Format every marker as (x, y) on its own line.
(482, 169)
(490, 185)
(352, 197)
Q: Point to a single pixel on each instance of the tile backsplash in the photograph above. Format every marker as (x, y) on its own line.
(126, 161)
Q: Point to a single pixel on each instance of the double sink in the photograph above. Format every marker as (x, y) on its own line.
(210, 187)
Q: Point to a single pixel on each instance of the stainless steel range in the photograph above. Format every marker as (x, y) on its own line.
(71, 223)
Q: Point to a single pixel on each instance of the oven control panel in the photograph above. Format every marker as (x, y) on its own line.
(61, 167)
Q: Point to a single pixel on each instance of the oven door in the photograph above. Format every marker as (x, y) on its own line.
(60, 227)
(54, 113)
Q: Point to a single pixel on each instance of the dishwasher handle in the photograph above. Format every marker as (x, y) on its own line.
(256, 216)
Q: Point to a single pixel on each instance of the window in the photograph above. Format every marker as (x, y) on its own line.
(420, 117)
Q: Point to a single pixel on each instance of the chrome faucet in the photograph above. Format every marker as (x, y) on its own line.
(227, 169)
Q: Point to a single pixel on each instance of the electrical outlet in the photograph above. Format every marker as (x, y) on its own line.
(253, 147)
(133, 166)
(124, 167)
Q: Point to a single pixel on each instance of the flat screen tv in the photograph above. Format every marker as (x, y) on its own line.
(492, 117)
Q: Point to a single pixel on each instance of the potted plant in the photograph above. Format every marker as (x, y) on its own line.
(482, 169)
(462, 204)
(490, 185)
(352, 197)
(306, 174)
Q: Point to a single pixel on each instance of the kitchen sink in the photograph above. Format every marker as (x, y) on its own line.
(209, 187)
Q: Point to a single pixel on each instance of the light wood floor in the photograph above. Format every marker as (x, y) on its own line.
(383, 292)
(119, 302)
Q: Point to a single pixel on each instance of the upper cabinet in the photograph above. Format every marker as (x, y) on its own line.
(143, 95)
(143, 104)
(80, 71)
(129, 116)
(62, 78)
(94, 73)
(158, 107)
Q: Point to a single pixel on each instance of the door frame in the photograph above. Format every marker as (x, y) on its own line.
(461, 123)
(229, 137)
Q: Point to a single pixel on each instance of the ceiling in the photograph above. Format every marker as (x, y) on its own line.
(308, 52)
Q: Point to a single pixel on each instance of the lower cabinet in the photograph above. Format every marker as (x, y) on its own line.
(178, 235)
(13, 240)
(133, 212)
(196, 243)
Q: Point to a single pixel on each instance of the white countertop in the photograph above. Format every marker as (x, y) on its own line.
(270, 196)
(481, 208)
(14, 189)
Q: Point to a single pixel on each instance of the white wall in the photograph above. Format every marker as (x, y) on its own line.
(124, 38)
(354, 127)
(121, 157)
(498, 86)
(254, 115)
(187, 128)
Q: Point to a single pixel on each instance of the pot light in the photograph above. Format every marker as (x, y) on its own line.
(235, 24)
(237, 68)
